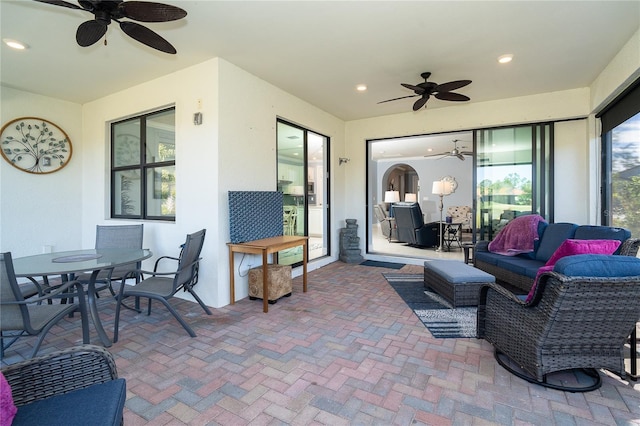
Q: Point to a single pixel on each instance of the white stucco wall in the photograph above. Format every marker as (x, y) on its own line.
(234, 149)
(571, 201)
(249, 108)
(38, 210)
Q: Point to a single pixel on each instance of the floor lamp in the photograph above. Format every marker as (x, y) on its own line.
(440, 188)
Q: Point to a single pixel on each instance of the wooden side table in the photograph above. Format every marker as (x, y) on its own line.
(265, 247)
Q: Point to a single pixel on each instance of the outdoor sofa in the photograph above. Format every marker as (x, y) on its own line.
(520, 271)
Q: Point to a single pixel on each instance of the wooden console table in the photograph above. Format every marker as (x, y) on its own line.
(265, 247)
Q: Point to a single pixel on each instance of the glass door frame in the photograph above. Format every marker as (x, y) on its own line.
(314, 191)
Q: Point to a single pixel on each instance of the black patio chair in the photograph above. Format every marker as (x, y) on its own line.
(162, 286)
(20, 317)
(118, 236)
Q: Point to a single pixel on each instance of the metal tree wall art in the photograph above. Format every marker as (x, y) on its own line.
(35, 145)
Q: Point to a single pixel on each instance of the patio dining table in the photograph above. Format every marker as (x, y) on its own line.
(77, 261)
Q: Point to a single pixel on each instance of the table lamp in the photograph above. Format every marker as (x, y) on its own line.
(410, 197)
(391, 197)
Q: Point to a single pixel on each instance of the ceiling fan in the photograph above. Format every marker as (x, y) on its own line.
(440, 91)
(455, 152)
(105, 11)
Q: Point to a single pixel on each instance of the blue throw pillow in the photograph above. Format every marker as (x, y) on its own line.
(595, 232)
(553, 236)
(598, 265)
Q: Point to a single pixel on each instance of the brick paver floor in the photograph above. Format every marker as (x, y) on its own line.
(347, 352)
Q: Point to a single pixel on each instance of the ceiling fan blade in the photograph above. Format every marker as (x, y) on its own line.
(90, 32)
(419, 90)
(435, 155)
(144, 11)
(452, 85)
(145, 36)
(460, 156)
(420, 102)
(466, 153)
(60, 3)
(450, 96)
(395, 99)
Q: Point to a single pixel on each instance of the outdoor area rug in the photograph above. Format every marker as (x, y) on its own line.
(382, 264)
(442, 320)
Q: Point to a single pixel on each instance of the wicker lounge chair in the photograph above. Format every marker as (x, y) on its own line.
(78, 385)
(573, 322)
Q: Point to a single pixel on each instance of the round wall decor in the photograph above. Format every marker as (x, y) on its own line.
(452, 181)
(35, 145)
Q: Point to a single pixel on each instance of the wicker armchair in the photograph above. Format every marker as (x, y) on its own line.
(78, 385)
(573, 322)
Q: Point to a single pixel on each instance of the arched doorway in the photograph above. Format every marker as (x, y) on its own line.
(402, 178)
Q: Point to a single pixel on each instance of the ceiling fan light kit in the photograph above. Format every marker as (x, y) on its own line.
(105, 11)
(440, 91)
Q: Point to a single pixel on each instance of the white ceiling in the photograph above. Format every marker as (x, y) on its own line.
(320, 50)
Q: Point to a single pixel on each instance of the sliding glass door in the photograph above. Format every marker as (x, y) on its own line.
(513, 175)
(303, 180)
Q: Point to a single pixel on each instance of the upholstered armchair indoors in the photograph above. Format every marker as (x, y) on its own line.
(460, 214)
(411, 227)
(578, 321)
(387, 224)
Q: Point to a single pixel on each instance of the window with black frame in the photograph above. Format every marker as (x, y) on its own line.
(143, 178)
(621, 161)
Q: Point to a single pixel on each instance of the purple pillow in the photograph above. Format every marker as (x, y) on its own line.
(573, 247)
(8, 409)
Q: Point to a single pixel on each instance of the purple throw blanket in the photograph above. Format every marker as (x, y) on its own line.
(518, 236)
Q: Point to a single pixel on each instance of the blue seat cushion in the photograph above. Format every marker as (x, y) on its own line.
(455, 272)
(598, 265)
(100, 404)
(488, 257)
(554, 235)
(520, 266)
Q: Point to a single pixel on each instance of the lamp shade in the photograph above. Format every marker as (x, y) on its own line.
(438, 187)
(410, 197)
(391, 196)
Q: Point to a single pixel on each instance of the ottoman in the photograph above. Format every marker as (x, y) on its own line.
(279, 277)
(455, 281)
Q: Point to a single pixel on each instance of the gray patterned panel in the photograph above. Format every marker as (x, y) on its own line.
(254, 215)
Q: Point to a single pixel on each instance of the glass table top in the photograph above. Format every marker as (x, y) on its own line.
(77, 261)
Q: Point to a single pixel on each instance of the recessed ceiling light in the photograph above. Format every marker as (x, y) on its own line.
(505, 59)
(361, 87)
(14, 44)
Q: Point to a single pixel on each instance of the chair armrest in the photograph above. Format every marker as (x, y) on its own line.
(56, 292)
(481, 246)
(506, 298)
(155, 266)
(134, 272)
(59, 373)
(630, 247)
